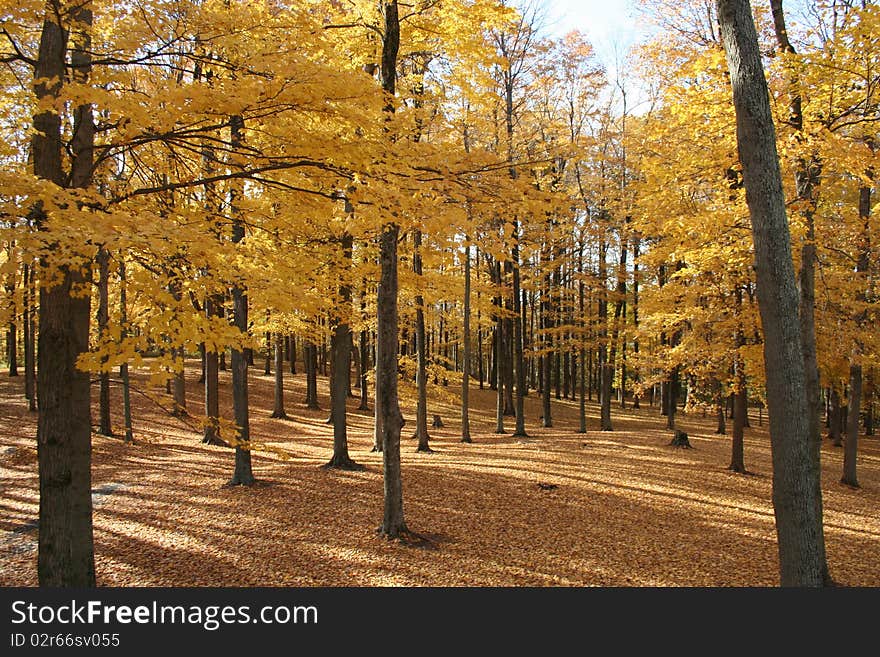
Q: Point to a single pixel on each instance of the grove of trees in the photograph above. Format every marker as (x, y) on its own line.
(436, 195)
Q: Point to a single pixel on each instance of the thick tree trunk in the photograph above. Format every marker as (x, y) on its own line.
(278, 409)
(393, 524)
(65, 546)
(387, 403)
(797, 498)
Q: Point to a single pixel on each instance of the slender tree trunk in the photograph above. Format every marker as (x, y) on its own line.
(740, 408)
(850, 450)
(466, 360)
(29, 335)
(364, 405)
(340, 350)
(518, 360)
(606, 365)
(498, 354)
(421, 432)
(123, 368)
(267, 365)
(103, 259)
(582, 327)
(65, 550)
(546, 349)
(179, 382)
(719, 403)
(243, 474)
(797, 498)
(851, 443)
(310, 354)
(834, 417)
(212, 385)
(278, 410)
(292, 354)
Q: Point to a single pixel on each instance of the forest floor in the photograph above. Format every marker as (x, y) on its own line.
(627, 509)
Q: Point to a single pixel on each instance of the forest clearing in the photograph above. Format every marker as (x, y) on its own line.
(627, 510)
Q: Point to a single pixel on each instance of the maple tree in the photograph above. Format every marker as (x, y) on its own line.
(418, 192)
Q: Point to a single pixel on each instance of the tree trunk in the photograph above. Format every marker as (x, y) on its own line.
(582, 410)
(518, 360)
(606, 368)
(340, 351)
(364, 405)
(103, 258)
(179, 382)
(850, 448)
(834, 418)
(466, 360)
(212, 386)
(421, 432)
(797, 499)
(740, 408)
(310, 354)
(387, 403)
(278, 410)
(65, 550)
(547, 350)
(851, 443)
(123, 368)
(29, 335)
(267, 366)
(243, 474)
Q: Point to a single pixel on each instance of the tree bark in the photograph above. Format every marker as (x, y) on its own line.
(421, 432)
(797, 499)
(340, 350)
(834, 418)
(29, 335)
(65, 546)
(212, 385)
(123, 368)
(103, 259)
(278, 409)
(243, 473)
(310, 354)
(466, 360)
(851, 442)
(387, 403)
